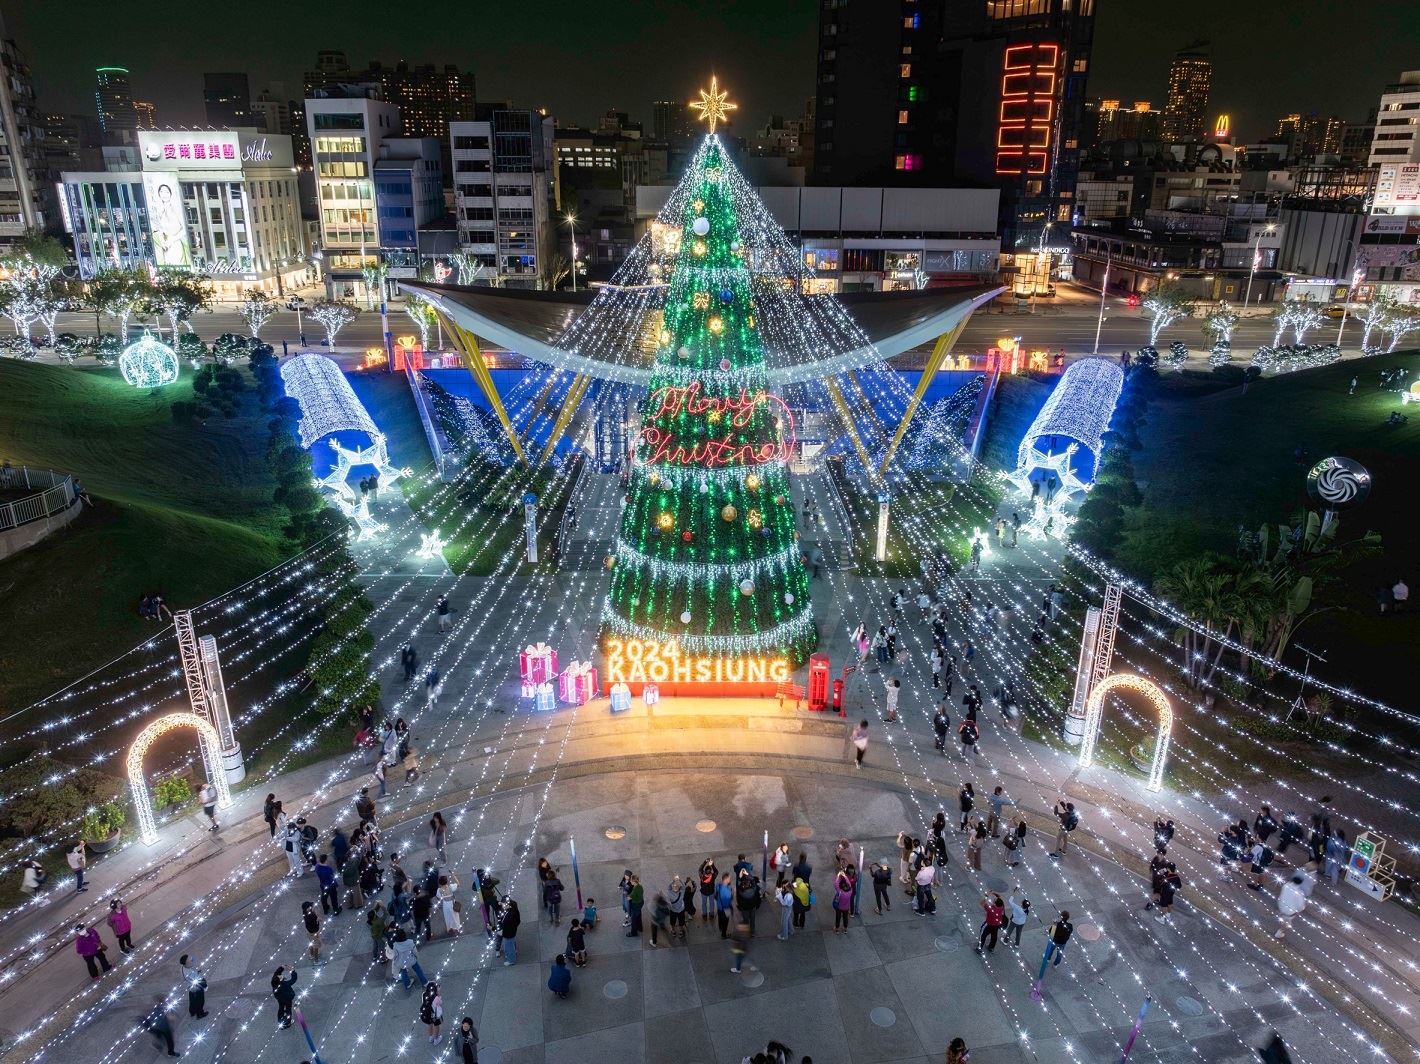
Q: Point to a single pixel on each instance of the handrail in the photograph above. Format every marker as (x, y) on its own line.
(56, 496)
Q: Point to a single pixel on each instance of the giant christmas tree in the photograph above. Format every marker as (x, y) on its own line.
(708, 558)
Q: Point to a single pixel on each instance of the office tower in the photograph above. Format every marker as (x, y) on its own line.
(670, 121)
(271, 109)
(118, 118)
(147, 113)
(23, 184)
(1190, 81)
(227, 98)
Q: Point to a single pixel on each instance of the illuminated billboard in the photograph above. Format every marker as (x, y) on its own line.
(163, 191)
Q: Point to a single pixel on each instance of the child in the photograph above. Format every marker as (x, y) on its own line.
(589, 915)
(577, 944)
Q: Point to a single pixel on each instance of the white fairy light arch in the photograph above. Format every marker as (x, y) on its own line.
(1094, 711)
(211, 758)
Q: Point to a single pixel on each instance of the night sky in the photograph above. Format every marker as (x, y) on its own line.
(581, 59)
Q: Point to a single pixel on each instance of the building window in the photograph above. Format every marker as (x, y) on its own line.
(905, 70)
(1080, 66)
(908, 161)
(912, 22)
(913, 94)
(902, 118)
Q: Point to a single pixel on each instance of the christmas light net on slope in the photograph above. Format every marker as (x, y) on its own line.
(708, 554)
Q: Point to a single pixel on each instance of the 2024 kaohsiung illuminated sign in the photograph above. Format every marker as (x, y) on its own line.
(637, 661)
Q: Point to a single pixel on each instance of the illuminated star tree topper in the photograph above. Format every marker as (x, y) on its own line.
(714, 106)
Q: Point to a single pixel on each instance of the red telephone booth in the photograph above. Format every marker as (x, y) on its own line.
(818, 682)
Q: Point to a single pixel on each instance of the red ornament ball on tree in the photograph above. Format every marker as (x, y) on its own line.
(725, 364)
(687, 535)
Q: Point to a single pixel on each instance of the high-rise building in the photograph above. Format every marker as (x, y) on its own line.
(147, 113)
(227, 99)
(1389, 252)
(671, 121)
(71, 142)
(1397, 138)
(899, 100)
(428, 97)
(23, 185)
(1311, 135)
(118, 118)
(271, 109)
(504, 193)
(1139, 121)
(1356, 140)
(346, 132)
(1190, 82)
(409, 195)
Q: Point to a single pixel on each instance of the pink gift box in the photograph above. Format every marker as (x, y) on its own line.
(537, 664)
(577, 683)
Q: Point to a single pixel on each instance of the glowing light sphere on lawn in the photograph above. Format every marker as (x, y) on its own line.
(148, 363)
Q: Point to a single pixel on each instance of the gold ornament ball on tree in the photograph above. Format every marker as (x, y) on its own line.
(729, 513)
(666, 520)
(610, 562)
(752, 482)
(700, 247)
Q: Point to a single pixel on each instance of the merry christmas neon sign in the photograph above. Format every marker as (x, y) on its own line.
(734, 412)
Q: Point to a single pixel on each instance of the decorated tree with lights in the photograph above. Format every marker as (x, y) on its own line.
(708, 554)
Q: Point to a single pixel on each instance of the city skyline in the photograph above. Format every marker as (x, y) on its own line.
(770, 70)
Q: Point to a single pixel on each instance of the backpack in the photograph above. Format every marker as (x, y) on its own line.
(1267, 856)
(1072, 820)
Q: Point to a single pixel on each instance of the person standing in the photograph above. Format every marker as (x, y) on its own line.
(449, 904)
(957, 1053)
(438, 835)
(997, 801)
(466, 1042)
(894, 691)
(292, 846)
(1059, 933)
(1290, 902)
(1336, 855)
(803, 900)
(159, 1023)
(926, 878)
(882, 880)
(1069, 821)
(842, 900)
(329, 886)
(785, 898)
(208, 797)
(995, 911)
(421, 907)
(431, 1012)
(120, 925)
(311, 919)
(1017, 908)
(90, 946)
(552, 896)
(940, 723)
(707, 875)
(969, 733)
(283, 989)
(724, 902)
(859, 739)
(196, 983)
(676, 900)
(445, 613)
(934, 662)
(268, 813)
(508, 929)
(966, 799)
(78, 862)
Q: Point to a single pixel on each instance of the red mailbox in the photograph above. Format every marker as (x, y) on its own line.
(838, 696)
(819, 671)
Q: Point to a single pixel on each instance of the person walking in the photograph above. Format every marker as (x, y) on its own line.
(724, 903)
(842, 900)
(445, 613)
(1336, 855)
(208, 797)
(940, 724)
(406, 959)
(1017, 908)
(466, 1042)
(34, 877)
(311, 919)
(859, 738)
(120, 925)
(660, 913)
(969, 733)
(421, 909)
(158, 1022)
(508, 929)
(283, 989)
(739, 945)
(196, 983)
(78, 863)
(966, 799)
(785, 898)
(998, 801)
(1291, 901)
(431, 1012)
(995, 912)
(90, 946)
(438, 835)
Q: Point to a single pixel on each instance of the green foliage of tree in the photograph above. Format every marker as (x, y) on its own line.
(172, 790)
(48, 793)
(104, 822)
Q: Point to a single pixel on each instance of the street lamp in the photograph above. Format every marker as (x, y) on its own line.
(1256, 255)
(571, 220)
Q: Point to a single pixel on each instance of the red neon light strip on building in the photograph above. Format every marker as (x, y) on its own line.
(1027, 115)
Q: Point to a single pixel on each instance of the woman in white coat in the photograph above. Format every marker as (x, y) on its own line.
(448, 903)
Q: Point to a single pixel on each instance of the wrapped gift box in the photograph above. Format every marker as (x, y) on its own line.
(544, 698)
(527, 690)
(578, 683)
(651, 694)
(537, 663)
(620, 698)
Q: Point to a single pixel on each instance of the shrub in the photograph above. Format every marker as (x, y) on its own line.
(103, 822)
(172, 790)
(49, 793)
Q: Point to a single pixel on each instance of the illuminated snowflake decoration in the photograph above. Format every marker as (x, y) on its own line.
(148, 363)
(431, 545)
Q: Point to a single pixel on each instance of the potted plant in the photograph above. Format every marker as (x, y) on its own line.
(172, 791)
(101, 828)
(1142, 757)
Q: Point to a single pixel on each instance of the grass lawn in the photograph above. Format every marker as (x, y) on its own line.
(183, 509)
(1017, 401)
(1214, 458)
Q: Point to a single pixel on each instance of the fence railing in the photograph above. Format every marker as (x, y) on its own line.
(54, 493)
